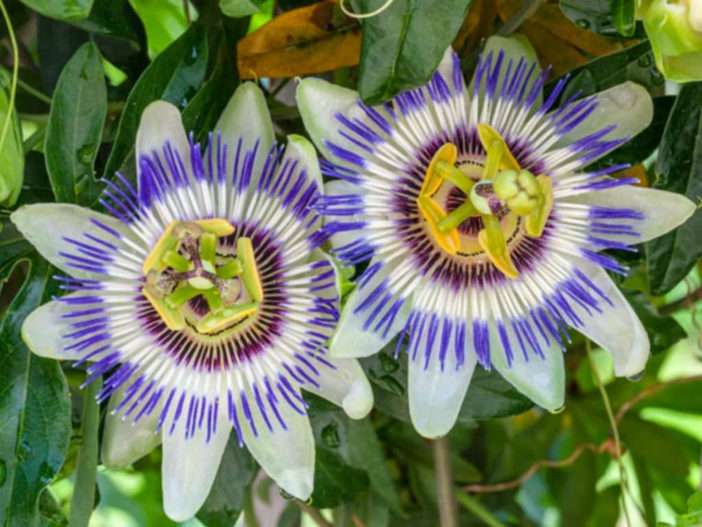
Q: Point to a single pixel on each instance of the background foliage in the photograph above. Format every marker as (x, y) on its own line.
(87, 69)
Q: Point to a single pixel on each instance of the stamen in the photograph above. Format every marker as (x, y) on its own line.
(492, 240)
(536, 221)
(449, 241)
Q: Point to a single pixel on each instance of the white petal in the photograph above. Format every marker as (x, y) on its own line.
(319, 101)
(287, 456)
(514, 48)
(541, 379)
(435, 396)
(46, 225)
(351, 340)
(302, 151)
(42, 330)
(337, 187)
(627, 105)
(161, 123)
(663, 211)
(617, 329)
(189, 467)
(346, 386)
(124, 441)
(246, 117)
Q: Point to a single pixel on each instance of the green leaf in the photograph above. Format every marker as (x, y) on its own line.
(234, 477)
(240, 8)
(490, 396)
(693, 518)
(74, 131)
(84, 487)
(402, 46)
(13, 247)
(11, 151)
(663, 332)
(203, 111)
(174, 76)
(631, 64)
(679, 169)
(35, 424)
(56, 43)
(61, 9)
(366, 452)
(623, 12)
(163, 20)
(335, 481)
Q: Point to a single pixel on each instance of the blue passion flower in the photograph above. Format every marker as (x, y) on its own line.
(484, 225)
(202, 301)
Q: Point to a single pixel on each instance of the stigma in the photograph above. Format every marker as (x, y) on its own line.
(502, 188)
(187, 262)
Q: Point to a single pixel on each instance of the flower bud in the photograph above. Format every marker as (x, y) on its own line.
(675, 32)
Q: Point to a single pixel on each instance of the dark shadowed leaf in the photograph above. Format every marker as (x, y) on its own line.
(632, 64)
(402, 46)
(335, 481)
(75, 127)
(236, 473)
(35, 425)
(663, 332)
(366, 452)
(489, 396)
(679, 169)
(56, 43)
(174, 76)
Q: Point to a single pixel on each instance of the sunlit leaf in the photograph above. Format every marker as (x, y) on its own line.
(61, 9)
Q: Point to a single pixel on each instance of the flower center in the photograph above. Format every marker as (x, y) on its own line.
(185, 264)
(502, 188)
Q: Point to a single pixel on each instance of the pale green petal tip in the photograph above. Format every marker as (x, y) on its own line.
(300, 148)
(359, 401)
(297, 482)
(514, 47)
(247, 115)
(353, 344)
(125, 442)
(41, 338)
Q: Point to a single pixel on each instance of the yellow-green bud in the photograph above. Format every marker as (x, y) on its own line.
(675, 32)
(518, 190)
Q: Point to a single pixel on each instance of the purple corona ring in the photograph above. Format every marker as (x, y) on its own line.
(202, 301)
(484, 225)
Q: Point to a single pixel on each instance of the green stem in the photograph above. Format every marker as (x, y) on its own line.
(615, 431)
(33, 91)
(474, 506)
(444, 483)
(250, 519)
(15, 73)
(314, 515)
(83, 499)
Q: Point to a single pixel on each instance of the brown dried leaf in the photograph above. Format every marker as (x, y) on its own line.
(477, 25)
(308, 40)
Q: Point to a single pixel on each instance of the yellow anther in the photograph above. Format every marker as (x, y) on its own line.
(217, 226)
(433, 213)
(457, 216)
(536, 220)
(432, 181)
(225, 317)
(165, 243)
(492, 241)
(173, 318)
(493, 141)
(249, 271)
